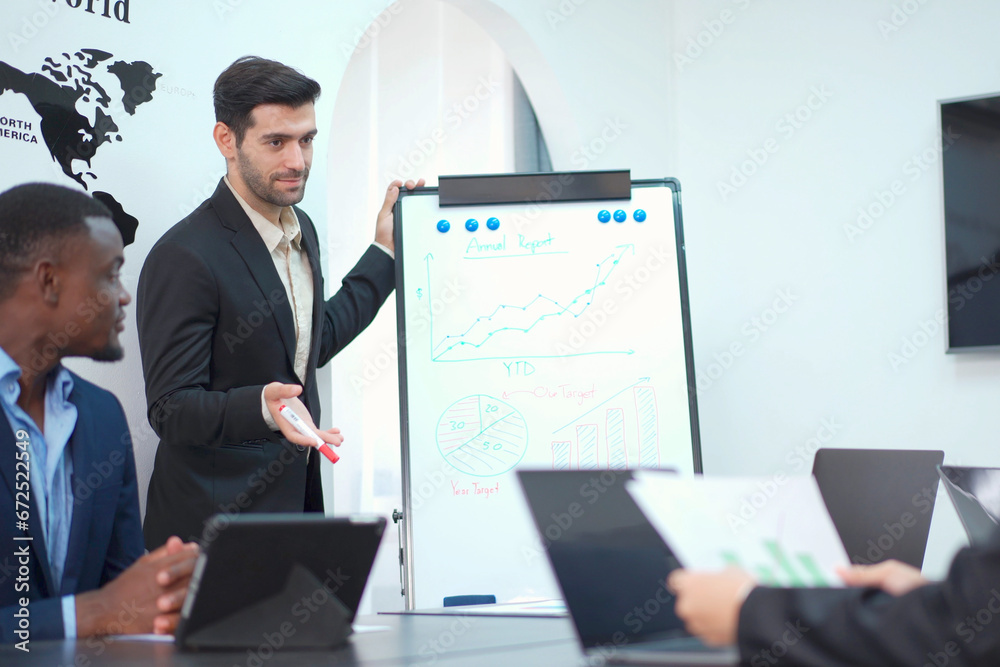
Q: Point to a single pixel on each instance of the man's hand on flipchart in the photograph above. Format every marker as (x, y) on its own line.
(277, 394)
(384, 222)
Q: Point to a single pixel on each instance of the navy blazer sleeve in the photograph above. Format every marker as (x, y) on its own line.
(20, 575)
(46, 621)
(101, 545)
(126, 545)
(955, 622)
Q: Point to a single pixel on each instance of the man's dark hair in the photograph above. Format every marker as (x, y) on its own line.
(39, 218)
(251, 81)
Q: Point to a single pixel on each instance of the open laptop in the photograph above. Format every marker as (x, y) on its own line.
(611, 565)
(296, 578)
(975, 492)
(880, 500)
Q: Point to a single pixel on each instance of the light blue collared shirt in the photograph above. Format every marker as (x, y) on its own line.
(51, 467)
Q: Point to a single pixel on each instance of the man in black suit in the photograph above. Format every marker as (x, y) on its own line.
(232, 320)
(72, 563)
(891, 616)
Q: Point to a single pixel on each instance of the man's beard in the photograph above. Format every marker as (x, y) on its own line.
(113, 351)
(264, 188)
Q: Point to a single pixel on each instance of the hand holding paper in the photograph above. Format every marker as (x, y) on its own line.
(781, 534)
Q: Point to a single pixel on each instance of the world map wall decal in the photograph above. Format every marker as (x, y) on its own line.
(59, 94)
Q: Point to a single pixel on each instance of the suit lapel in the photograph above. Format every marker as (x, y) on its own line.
(9, 474)
(83, 502)
(251, 248)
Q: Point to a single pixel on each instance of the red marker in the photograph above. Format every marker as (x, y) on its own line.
(304, 429)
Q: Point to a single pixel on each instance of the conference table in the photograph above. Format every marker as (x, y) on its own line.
(384, 639)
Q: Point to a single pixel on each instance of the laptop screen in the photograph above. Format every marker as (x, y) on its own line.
(609, 561)
(975, 492)
(880, 500)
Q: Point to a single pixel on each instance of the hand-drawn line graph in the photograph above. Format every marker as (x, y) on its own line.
(480, 339)
(583, 449)
(482, 436)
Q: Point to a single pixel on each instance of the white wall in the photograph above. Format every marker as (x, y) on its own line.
(857, 294)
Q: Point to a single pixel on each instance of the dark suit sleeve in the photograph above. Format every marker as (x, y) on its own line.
(363, 291)
(177, 313)
(953, 623)
(126, 545)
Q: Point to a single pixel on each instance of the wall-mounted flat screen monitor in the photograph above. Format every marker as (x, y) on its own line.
(970, 139)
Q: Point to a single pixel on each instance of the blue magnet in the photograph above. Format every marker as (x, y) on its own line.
(493, 223)
(443, 226)
(639, 215)
(604, 216)
(620, 216)
(472, 224)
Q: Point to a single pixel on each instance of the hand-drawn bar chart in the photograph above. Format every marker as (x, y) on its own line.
(628, 417)
(783, 570)
(482, 436)
(615, 430)
(648, 426)
(790, 539)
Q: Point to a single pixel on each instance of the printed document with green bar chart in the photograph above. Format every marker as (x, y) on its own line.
(778, 531)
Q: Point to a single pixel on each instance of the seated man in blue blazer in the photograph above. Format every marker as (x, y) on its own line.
(72, 562)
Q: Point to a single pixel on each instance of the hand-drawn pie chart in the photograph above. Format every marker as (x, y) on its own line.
(482, 436)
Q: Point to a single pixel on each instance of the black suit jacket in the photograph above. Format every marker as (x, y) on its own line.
(105, 536)
(955, 622)
(215, 326)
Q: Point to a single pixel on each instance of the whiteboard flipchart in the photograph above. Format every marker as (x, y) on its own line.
(538, 334)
